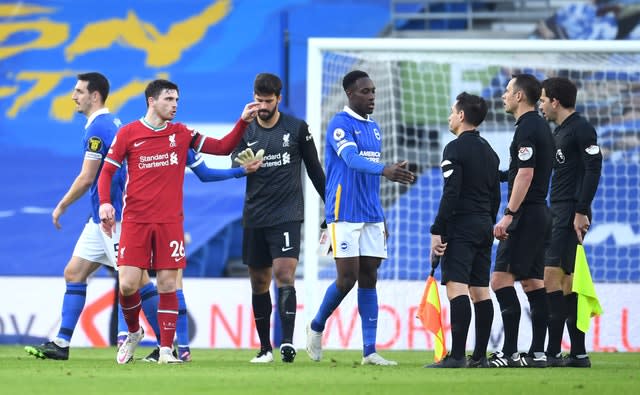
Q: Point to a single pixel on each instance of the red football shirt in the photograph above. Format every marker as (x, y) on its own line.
(156, 159)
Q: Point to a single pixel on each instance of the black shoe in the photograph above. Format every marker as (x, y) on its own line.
(155, 355)
(573, 361)
(48, 350)
(555, 361)
(449, 362)
(531, 361)
(499, 360)
(480, 363)
(287, 352)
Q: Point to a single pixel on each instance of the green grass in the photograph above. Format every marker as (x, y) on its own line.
(94, 371)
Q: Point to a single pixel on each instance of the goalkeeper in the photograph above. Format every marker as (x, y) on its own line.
(274, 210)
(577, 168)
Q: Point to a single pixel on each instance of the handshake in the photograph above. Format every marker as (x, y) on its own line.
(247, 156)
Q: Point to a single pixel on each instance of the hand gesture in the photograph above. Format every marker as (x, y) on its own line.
(399, 173)
(247, 155)
(250, 111)
(581, 226)
(438, 247)
(107, 217)
(500, 230)
(55, 216)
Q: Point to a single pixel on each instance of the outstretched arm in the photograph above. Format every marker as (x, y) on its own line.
(225, 146)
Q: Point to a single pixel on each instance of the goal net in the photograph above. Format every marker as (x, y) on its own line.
(416, 83)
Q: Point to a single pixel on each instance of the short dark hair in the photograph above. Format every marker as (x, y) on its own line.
(267, 84)
(561, 88)
(155, 88)
(530, 85)
(351, 77)
(474, 107)
(96, 82)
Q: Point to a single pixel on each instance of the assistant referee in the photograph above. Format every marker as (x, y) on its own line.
(465, 219)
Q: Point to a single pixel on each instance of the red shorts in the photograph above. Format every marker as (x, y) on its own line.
(152, 246)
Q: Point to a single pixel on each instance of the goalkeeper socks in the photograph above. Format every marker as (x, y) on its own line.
(167, 317)
(539, 318)
(484, 318)
(557, 318)
(149, 297)
(287, 305)
(72, 305)
(131, 306)
(368, 309)
(332, 298)
(510, 308)
(262, 315)
(182, 326)
(575, 335)
(460, 320)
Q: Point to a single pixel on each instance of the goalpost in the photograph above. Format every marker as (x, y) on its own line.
(416, 83)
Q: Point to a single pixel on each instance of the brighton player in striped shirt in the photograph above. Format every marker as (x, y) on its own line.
(354, 212)
(155, 151)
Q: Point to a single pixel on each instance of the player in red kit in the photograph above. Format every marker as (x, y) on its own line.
(152, 236)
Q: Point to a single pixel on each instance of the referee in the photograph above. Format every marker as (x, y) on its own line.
(524, 228)
(577, 168)
(465, 219)
(274, 210)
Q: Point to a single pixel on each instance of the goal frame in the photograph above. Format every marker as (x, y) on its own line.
(318, 46)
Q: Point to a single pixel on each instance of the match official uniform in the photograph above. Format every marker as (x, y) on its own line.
(274, 204)
(468, 208)
(522, 253)
(577, 169)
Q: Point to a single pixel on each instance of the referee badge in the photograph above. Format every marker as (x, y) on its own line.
(592, 150)
(525, 153)
(560, 156)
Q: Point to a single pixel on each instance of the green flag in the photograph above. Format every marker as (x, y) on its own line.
(588, 304)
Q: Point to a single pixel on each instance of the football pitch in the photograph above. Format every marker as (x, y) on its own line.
(94, 371)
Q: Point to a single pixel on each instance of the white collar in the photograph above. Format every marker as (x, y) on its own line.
(349, 111)
(93, 116)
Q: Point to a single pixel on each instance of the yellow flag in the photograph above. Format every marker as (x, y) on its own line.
(588, 304)
(429, 315)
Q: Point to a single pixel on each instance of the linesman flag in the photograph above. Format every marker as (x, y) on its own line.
(588, 304)
(429, 312)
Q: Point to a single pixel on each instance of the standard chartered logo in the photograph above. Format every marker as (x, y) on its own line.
(157, 160)
(279, 159)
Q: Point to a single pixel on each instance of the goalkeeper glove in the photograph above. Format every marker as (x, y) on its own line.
(247, 156)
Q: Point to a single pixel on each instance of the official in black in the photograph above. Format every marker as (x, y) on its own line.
(462, 232)
(525, 225)
(577, 168)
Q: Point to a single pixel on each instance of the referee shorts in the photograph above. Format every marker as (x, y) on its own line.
(467, 259)
(523, 253)
(562, 247)
(260, 246)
